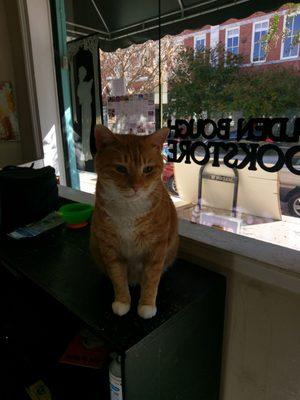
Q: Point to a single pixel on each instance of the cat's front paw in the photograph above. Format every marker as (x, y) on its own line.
(146, 312)
(120, 308)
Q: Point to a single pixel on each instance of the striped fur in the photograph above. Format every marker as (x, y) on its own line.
(134, 227)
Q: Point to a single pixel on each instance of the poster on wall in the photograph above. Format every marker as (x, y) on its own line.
(131, 114)
(9, 129)
(83, 57)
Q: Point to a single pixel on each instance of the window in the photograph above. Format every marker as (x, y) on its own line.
(232, 40)
(200, 43)
(211, 184)
(290, 48)
(260, 30)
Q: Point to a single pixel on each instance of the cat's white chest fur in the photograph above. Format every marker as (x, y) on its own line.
(127, 234)
(124, 215)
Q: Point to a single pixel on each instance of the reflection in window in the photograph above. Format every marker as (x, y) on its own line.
(232, 41)
(260, 31)
(292, 29)
(200, 43)
(195, 85)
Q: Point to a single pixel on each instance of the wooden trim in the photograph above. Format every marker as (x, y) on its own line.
(63, 80)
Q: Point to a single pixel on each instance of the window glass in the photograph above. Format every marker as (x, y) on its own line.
(200, 44)
(260, 32)
(246, 183)
(214, 184)
(232, 44)
(290, 42)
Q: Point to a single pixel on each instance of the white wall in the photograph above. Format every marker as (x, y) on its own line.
(261, 348)
(44, 69)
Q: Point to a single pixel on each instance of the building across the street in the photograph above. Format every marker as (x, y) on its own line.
(246, 37)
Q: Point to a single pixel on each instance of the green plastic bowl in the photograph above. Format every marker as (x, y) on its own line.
(76, 215)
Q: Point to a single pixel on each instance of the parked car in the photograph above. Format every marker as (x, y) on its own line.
(290, 188)
(168, 174)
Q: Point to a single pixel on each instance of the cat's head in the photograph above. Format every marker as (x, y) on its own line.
(129, 166)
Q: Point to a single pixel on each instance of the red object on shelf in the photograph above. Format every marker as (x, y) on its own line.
(77, 226)
(80, 354)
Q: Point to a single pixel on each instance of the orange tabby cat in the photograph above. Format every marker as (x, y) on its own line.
(134, 227)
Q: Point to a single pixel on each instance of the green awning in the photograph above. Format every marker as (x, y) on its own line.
(120, 23)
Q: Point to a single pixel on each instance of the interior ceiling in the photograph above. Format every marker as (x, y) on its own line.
(120, 23)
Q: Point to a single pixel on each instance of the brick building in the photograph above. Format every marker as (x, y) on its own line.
(245, 37)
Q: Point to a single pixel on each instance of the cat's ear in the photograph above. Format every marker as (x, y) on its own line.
(103, 136)
(158, 138)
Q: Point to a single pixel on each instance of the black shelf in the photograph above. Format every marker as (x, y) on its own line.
(35, 330)
(176, 354)
(59, 263)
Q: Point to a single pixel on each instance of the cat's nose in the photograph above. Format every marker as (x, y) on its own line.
(136, 186)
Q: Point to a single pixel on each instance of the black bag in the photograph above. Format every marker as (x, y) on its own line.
(26, 195)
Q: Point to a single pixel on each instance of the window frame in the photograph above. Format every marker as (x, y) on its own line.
(252, 42)
(282, 57)
(199, 37)
(226, 37)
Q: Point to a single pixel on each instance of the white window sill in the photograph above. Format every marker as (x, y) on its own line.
(282, 258)
(273, 263)
(258, 62)
(290, 58)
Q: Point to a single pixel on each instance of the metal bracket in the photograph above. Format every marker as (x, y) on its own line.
(220, 178)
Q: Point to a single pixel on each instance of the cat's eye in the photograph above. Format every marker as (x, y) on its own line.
(148, 169)
(121, 169)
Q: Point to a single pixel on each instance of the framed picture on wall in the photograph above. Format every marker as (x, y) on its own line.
(9, 127)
